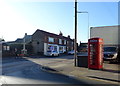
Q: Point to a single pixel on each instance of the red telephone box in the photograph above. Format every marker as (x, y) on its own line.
(95, 53)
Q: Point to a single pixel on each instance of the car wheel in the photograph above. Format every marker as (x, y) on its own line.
(52, 54)
(116, 60)
(113, 61)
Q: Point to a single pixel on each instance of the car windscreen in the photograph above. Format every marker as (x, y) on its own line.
(48, 51)
(55, 51)
(110, 49)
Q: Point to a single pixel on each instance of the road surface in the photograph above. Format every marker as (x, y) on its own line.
(29, 72)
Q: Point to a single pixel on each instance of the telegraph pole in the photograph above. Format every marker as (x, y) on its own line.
(75, 40)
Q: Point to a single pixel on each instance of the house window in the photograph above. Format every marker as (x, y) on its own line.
(8, 48)
(55, 48)
(72, 43)
(4, 47)
(60, 41)
(50, 48)
(61, 49)
(67, 42)
(64, 41)
(67, 48)
(50, 39)
(64, 49)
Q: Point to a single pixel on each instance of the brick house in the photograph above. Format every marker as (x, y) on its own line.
(43, 41)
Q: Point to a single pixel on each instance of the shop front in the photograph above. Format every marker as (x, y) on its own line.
(50, 47)
(62, 49)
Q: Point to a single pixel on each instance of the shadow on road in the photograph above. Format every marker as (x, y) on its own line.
(62, 56)
(34, 72)
(109, 70)
(104, 78)
(12, 59)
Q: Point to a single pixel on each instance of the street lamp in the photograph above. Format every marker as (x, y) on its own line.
(75, 40)
(88, 21)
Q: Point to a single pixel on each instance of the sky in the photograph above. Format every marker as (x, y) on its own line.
(18, 17)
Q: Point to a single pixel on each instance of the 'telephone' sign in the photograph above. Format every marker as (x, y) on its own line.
(93, 40)
(96, 41)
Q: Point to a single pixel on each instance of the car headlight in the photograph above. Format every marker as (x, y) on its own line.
(111, 55)
(115, 55)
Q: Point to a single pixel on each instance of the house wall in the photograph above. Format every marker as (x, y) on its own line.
(38, 42)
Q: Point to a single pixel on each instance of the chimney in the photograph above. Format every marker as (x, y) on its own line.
(60, 33)
(25, 34)
(68, 36)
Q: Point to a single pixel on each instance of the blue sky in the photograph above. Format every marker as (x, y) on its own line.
(19, 17)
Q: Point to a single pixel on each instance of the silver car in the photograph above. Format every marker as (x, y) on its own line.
(72, 52)
(52, 53)
(110, 54)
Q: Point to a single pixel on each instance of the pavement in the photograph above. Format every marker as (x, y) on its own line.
(110, 72)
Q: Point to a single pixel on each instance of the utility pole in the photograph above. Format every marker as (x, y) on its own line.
(75, 40)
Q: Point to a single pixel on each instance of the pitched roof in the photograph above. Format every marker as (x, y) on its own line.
(52, 34)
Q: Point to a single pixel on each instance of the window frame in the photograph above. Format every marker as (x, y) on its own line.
(60, 41)
(51, 39)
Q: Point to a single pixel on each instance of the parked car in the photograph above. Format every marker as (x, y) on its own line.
(52, 53)
(72, 52)
(110, 54)
(83, 47)
(118, 55)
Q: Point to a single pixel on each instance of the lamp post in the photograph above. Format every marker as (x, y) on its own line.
(88, 21)
(75, 40)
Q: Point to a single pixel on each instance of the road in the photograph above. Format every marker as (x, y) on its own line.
(28, 71)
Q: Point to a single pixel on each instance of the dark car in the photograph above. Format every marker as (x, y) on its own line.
(83, 47)
(111, 54)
